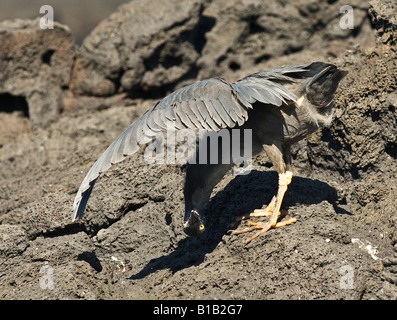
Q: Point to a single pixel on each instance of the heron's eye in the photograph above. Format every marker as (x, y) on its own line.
(201, 227)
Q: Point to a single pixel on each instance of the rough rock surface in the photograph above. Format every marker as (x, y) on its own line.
(144, 44)
(384, 17)
(255, 31)
(35, 66)
(130, 243)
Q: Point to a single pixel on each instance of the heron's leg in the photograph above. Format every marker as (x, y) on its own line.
(284, 181)
(260, 212)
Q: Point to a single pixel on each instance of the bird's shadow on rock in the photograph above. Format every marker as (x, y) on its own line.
(240, 197)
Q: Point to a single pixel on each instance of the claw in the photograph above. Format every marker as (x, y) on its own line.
(273, 209)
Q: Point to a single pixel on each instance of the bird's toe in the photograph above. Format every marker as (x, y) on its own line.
(264, 226)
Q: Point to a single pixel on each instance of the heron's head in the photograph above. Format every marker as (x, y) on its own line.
(193, 225)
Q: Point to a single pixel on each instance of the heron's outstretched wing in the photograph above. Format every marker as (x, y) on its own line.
(211, 104)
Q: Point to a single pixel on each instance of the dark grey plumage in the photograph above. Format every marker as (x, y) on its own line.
(281, 106)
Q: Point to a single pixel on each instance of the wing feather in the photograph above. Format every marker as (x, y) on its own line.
(227, 106)
(213, 114)
(195, 110)
(222, 113)
(181, 114)
(203, 109)
(190, 114)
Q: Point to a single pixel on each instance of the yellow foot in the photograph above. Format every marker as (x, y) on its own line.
(282, 214)
(273, 209)
(264, 226)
